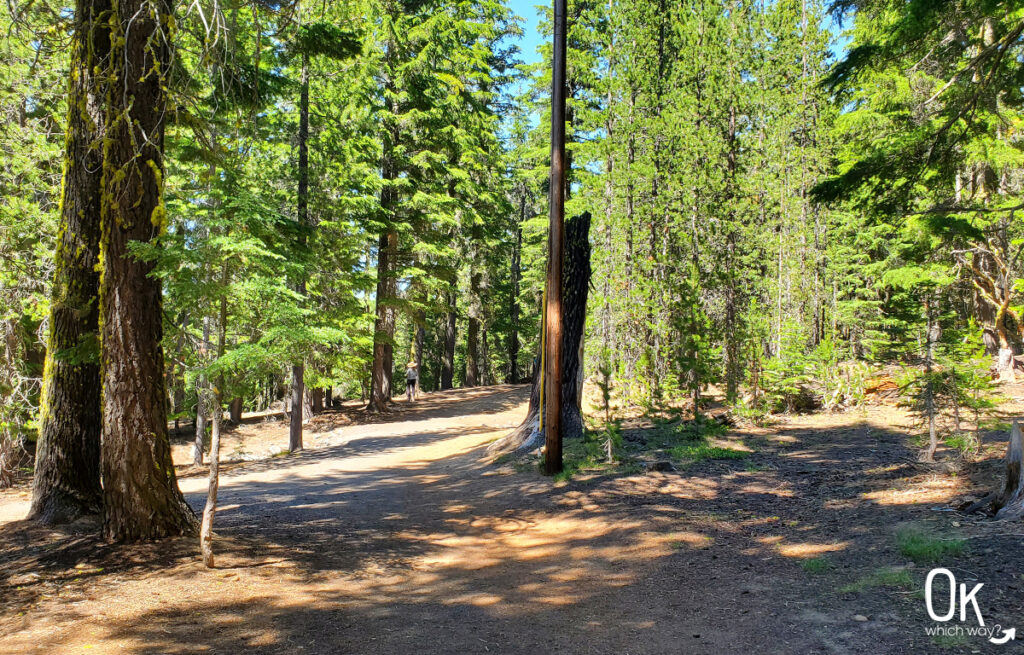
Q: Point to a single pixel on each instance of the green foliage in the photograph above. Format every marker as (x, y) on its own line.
(787, 376)
(33, 74)
(958, 388)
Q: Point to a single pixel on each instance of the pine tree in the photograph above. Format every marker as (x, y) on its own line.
(67, 475)
(141, 499)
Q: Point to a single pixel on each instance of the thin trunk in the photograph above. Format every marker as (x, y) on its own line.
(302, 201)
(513, 309)
(202, 399)
(382, 369)
(141, 499)
(421, 334)
(473, 335)
(932, 337)
(206, 531)
(384, 332)
(448, 356)
(67, 473)
(485, 358)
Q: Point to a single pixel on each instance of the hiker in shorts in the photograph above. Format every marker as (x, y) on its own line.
(412, 377)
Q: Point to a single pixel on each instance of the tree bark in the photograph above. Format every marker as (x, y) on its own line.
(141, 499)
(206, 531)
(448, 356)
(384, 329)
(932, 338)
(235, 410)
(472, 352)
(202, 399)
(513, 309)
(1007, 503)
(67, 473)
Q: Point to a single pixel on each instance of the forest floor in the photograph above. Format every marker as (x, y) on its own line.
(392, 534)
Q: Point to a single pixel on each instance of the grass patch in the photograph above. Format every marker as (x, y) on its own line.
(817, 565)
(506, 458)
(888, 577)
(950, 641)
(589, 454)
(924, 548)
(700, 452)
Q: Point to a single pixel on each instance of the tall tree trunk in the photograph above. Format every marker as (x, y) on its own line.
(448, 356)
(513, 309)
(299, 414)
(473, 351)
(421, 334)
(932, 338)
(384, 330)
(141, 499)
(733, 367)
(67, 473)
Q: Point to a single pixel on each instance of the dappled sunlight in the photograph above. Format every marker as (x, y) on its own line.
(808, 550)
(778, 490)
(398, 540)
(694, 540)
(933, 489)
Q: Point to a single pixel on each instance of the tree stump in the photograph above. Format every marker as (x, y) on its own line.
(1007, 504)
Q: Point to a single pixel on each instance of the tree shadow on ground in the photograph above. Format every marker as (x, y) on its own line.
(443, 554)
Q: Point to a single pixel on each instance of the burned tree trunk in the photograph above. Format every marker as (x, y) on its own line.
(576, 287)
(1008, 502)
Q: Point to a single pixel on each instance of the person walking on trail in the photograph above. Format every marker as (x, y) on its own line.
(412, 377)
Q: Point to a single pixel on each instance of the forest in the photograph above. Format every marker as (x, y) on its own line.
(221, 214)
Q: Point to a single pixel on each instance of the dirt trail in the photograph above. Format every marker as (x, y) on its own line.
(394, 537)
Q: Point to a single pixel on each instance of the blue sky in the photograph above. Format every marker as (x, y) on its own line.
(527, 9)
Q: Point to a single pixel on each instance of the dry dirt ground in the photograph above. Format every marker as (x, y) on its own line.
(394, 536)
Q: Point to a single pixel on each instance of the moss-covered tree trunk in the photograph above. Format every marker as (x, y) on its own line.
(141, 499)
(67, 475)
